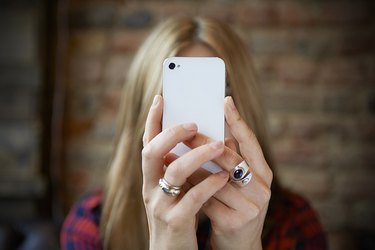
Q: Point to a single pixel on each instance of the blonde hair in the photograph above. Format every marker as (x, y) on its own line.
(123, 221)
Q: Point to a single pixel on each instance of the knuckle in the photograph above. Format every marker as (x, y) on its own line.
(198, 140)
(174, 172)
(231, 157)
(252, 212)
(205, 140)
(174, 222)
(196, 196)
(238, 118)
(147, 152)
(172, 132)
(157, 212)
(144, 140)
(266, 194)
(250, 134)
(235, 224)
(146, 198)
(268, 176)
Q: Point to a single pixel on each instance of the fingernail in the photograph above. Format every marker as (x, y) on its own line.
(156, 100)
(231, 103)
(216, 144)
(190, 126)
(223, 174)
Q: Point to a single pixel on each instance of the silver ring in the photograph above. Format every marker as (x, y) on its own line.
(168, 188)
(241, 174)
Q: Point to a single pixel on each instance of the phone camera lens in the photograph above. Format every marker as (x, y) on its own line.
(172, 65)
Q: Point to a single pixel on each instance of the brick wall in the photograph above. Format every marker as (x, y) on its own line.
(22, 182)
(316, 67)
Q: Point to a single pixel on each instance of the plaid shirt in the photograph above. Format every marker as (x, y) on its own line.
(295, 226)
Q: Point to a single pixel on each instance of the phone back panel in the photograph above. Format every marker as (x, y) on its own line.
(194, 91)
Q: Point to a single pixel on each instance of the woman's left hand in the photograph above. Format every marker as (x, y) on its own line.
(237, 213)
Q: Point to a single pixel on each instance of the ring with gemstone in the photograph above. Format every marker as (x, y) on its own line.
(169, 189)
(241, 174)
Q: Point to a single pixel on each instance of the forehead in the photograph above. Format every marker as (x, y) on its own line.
(196, 50)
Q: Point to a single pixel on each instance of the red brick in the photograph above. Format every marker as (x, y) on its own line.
(333, 214)
(306, 13)
(296, 13)
(84, 69)
(355, 184)
(76, 183)
(134, 18)
(84, 103)
(111, 103)
(277, 126)
(104, 131)
(90, 152)
(88, 42)
(367, 131)
(313, 183)
(346, 156)
(220, 10)
(297, 101)
(256, 13)
(162, 9)
(301, 153)
(128, 41)
(91, 15)
(287, 70)
(73, 129)
(115, 70)
(346, 71)
(340, 102)
(317, 42)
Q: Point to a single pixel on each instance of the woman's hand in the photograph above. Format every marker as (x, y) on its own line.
(237, 213)
(172, 219)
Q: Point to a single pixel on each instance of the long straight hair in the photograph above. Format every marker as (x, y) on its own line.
(123, 222)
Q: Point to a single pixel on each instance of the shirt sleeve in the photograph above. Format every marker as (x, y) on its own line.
(308, 228)
(81, 226)
(295, 226)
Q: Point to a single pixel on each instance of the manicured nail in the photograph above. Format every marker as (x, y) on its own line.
(190, 126)
(156, 100)
(216, 144)
(231, 103)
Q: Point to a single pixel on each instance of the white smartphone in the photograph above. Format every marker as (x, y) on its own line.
(194, 91)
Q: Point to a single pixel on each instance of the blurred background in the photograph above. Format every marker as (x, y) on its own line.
(63, 64)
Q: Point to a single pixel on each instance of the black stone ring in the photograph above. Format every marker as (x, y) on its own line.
(241, 174)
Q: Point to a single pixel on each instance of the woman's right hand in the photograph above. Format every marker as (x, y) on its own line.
(172, 219)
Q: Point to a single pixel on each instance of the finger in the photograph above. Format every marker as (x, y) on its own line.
(221, 215)
(257, 194)
(155, 150)
(153, 121)
(198, 176)
(169, 158)
(228, 195)
(178, 171)
(248, 143)
(227, 160)
(231, 143)
(193, 200)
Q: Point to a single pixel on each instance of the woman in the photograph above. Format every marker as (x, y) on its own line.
(136, 209)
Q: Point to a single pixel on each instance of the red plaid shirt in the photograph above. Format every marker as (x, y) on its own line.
(295, 226)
